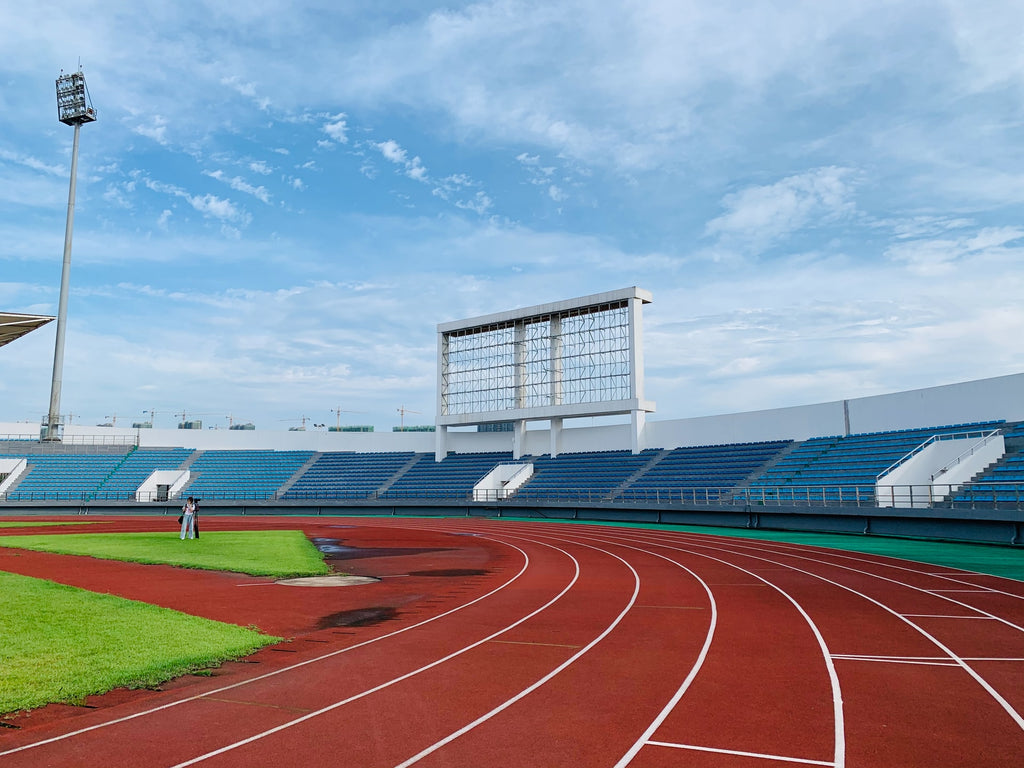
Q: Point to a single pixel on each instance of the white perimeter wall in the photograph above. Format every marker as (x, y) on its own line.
(981, 400)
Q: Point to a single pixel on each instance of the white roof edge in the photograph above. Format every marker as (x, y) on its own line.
(553, 307)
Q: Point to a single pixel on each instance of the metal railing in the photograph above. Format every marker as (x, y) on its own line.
(985, 434)
(1002, 495)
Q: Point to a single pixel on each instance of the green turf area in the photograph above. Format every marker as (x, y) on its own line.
(981, 558)
(61, 644)
(258, 553)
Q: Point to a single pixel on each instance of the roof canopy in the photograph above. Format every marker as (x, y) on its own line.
(14, 326)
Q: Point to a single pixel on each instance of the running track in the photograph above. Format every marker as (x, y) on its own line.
(557, 645)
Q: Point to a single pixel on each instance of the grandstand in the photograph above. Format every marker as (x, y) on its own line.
(906, 463)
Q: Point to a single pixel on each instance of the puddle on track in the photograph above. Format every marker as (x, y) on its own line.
(358, 617)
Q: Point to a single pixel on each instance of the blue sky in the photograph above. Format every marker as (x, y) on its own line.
(280, 200)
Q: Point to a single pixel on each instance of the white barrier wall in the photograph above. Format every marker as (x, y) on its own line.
(1001, 397)
(973, 401)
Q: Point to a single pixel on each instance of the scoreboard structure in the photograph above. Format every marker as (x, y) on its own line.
(567, 359)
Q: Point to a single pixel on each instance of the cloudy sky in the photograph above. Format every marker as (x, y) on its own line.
(282, 198)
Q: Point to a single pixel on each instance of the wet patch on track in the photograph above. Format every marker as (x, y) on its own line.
(358, 617)
(333, 549)
(451, 572)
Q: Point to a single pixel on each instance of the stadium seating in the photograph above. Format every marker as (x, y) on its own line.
(243, 474)
(348, 475)
(819, 470)
(122, 483)
(63, 476)
(716, 468)
(1003, 482)
(582, 476)
(846, 468)
(453, 477)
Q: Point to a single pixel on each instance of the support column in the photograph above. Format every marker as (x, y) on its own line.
(556, 437)
(637, 440)
(518, 438)
(53, 416)
(636, 346)
(440, 442)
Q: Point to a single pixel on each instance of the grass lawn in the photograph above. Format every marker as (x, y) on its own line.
(61, 644)
(258, 553)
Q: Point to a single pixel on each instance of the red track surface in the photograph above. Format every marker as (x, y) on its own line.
(562, 645)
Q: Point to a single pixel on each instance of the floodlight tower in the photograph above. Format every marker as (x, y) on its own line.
(74, 107)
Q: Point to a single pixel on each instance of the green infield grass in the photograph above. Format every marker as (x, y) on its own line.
(62, 644)
(258, 553)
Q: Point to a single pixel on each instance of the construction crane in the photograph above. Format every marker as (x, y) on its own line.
(184, 419)
(337, 412)
(303, 419)
(402, 410)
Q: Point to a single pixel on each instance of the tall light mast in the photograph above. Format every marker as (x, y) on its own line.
(74, 107)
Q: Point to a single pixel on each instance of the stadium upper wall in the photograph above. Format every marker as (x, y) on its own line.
(996, 398)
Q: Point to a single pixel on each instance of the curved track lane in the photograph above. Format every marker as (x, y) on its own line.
(599, 646)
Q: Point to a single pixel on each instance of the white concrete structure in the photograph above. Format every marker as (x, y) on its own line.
(174, 479)
(937, 468)
(973, 401)
(10, 471)
(502, 482)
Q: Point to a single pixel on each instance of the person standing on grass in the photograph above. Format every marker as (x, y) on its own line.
(188, 519)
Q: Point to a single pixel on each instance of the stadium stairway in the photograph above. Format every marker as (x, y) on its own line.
(298, 474)
(655, 460)
(403, 470)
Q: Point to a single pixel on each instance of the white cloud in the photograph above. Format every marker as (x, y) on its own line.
(217, 207)
(392, 151)
(260, 167)
(761, 215)
(30, 162)
(208, 205)
(241, 185)
(480, 203)
(155, 129)
(940, 256)
(337, 128)
(236, 84)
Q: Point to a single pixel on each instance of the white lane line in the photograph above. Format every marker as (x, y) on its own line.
(889, 561)
(526, 691)
(946, 616)
(970, 591)
(760, 755)
(1007, 707)
(683, 687)
(395, 680)
(893, 660)
(789, 553)
(839, 755)
(169, 705)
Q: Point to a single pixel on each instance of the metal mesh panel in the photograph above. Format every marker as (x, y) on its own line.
(577, 357)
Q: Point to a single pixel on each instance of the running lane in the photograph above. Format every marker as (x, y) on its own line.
(222, 716)
(926, 679)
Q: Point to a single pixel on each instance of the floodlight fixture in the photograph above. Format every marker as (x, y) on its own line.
(74, 108)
